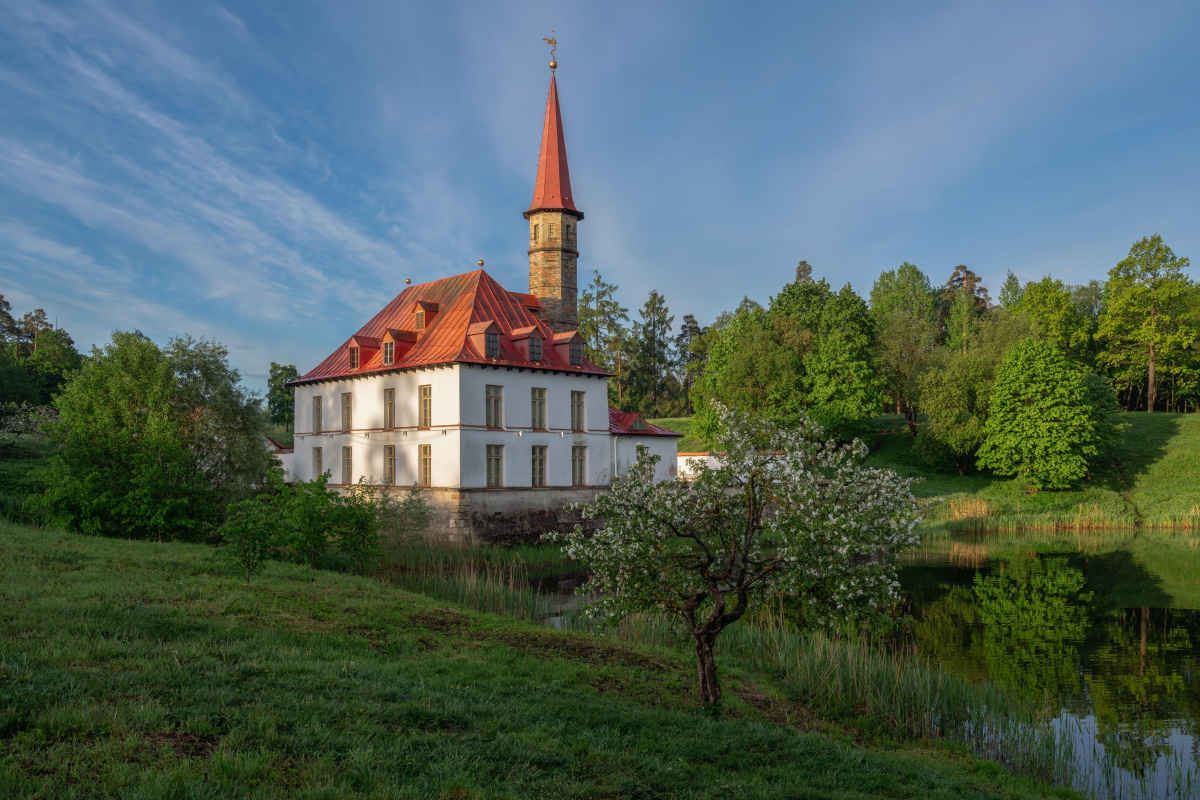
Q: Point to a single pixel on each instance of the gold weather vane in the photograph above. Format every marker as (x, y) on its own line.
(553, 45)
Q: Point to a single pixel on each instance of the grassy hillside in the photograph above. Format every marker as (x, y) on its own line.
(1151, 478)
(130, 669)
(687, 444)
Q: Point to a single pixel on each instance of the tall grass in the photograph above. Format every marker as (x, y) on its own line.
(881, 692)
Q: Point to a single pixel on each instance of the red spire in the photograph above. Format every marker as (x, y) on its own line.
(552, 190)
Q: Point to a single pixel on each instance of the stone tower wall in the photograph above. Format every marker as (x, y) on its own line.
(554, 267)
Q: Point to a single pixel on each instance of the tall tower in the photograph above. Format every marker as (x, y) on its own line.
(553, 220)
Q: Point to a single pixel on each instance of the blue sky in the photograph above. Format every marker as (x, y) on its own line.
(268, 174)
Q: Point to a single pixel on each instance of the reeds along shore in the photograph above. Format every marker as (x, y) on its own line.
(971, 514)
(879, 692)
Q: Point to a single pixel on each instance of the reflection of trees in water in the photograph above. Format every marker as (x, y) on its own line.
(1035, 614)
(1138, 687)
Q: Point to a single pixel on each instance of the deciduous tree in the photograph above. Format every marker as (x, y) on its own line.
(1145, 320)
(281, 398)
(785, 512)
(153, 442)
(904, 308)
(1040, 423)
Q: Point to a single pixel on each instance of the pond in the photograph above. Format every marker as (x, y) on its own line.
(1103, 628)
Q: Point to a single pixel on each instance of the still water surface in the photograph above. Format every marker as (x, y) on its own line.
(1102, 628)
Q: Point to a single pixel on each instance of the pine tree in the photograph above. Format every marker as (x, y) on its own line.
(603, 324)
(654, 386)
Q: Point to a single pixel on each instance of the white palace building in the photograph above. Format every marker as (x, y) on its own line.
(479, 394)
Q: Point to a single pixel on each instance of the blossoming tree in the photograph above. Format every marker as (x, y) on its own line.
(784, 512)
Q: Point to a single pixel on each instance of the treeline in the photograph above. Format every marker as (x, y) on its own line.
(35, 357)
(929, 352)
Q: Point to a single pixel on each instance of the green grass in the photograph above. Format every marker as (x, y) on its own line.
(139, 670)
(688, 443)
(1150, 479)
(18, 464)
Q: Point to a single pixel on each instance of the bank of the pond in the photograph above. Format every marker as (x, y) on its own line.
(1150, 479)
(139, 669)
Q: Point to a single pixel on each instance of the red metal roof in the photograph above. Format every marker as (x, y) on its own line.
(463, 301)
(552, 189)
(631, 423)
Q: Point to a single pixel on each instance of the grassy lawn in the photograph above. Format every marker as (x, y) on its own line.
(1151, 478)
(687, 444)
(136, 670)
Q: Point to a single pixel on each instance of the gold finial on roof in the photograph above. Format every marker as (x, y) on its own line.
(481, 262)
(553, 45)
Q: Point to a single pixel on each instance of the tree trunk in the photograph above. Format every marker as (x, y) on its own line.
(706, 666)
(1151, 389)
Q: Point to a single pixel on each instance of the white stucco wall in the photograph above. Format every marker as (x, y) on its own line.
(458, 434)
(518, 437)
(625, 453)
(368, 437)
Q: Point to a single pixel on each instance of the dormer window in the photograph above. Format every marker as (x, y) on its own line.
(389, 352)
(492, 344)
(535, 348)
(576, 354)
(420, 324)
(353, 358)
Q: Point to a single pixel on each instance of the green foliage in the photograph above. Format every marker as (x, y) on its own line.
(807, 355)
(253, 528)
(152, 442)
(785, 513)
(1040, 425)
(954, 397)
(1011, 290)
(904, 310)
(281, 398)
(654, 389)
(1055, 318)
(604, 326)
(130, 670)
(35, 356)
(1148, 321)
(1035, 615)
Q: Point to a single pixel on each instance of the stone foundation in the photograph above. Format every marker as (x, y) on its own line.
(504, 516)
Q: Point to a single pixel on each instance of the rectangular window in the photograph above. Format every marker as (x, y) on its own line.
(491, 342)
(537, 230)
(577, 417)
(318, 470)
(353, 358)
(420, 323)
(495, 406)
(539, 465)
(495, 465)
(576, 354)
(347, 411)
(389, 408)
(425, 455)
(550, 230)
(389, 352)
(316, 415)
(389, 465)
(535, 348)
(538, 404)
(425, 412)
(579, 466)
(347, 465)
